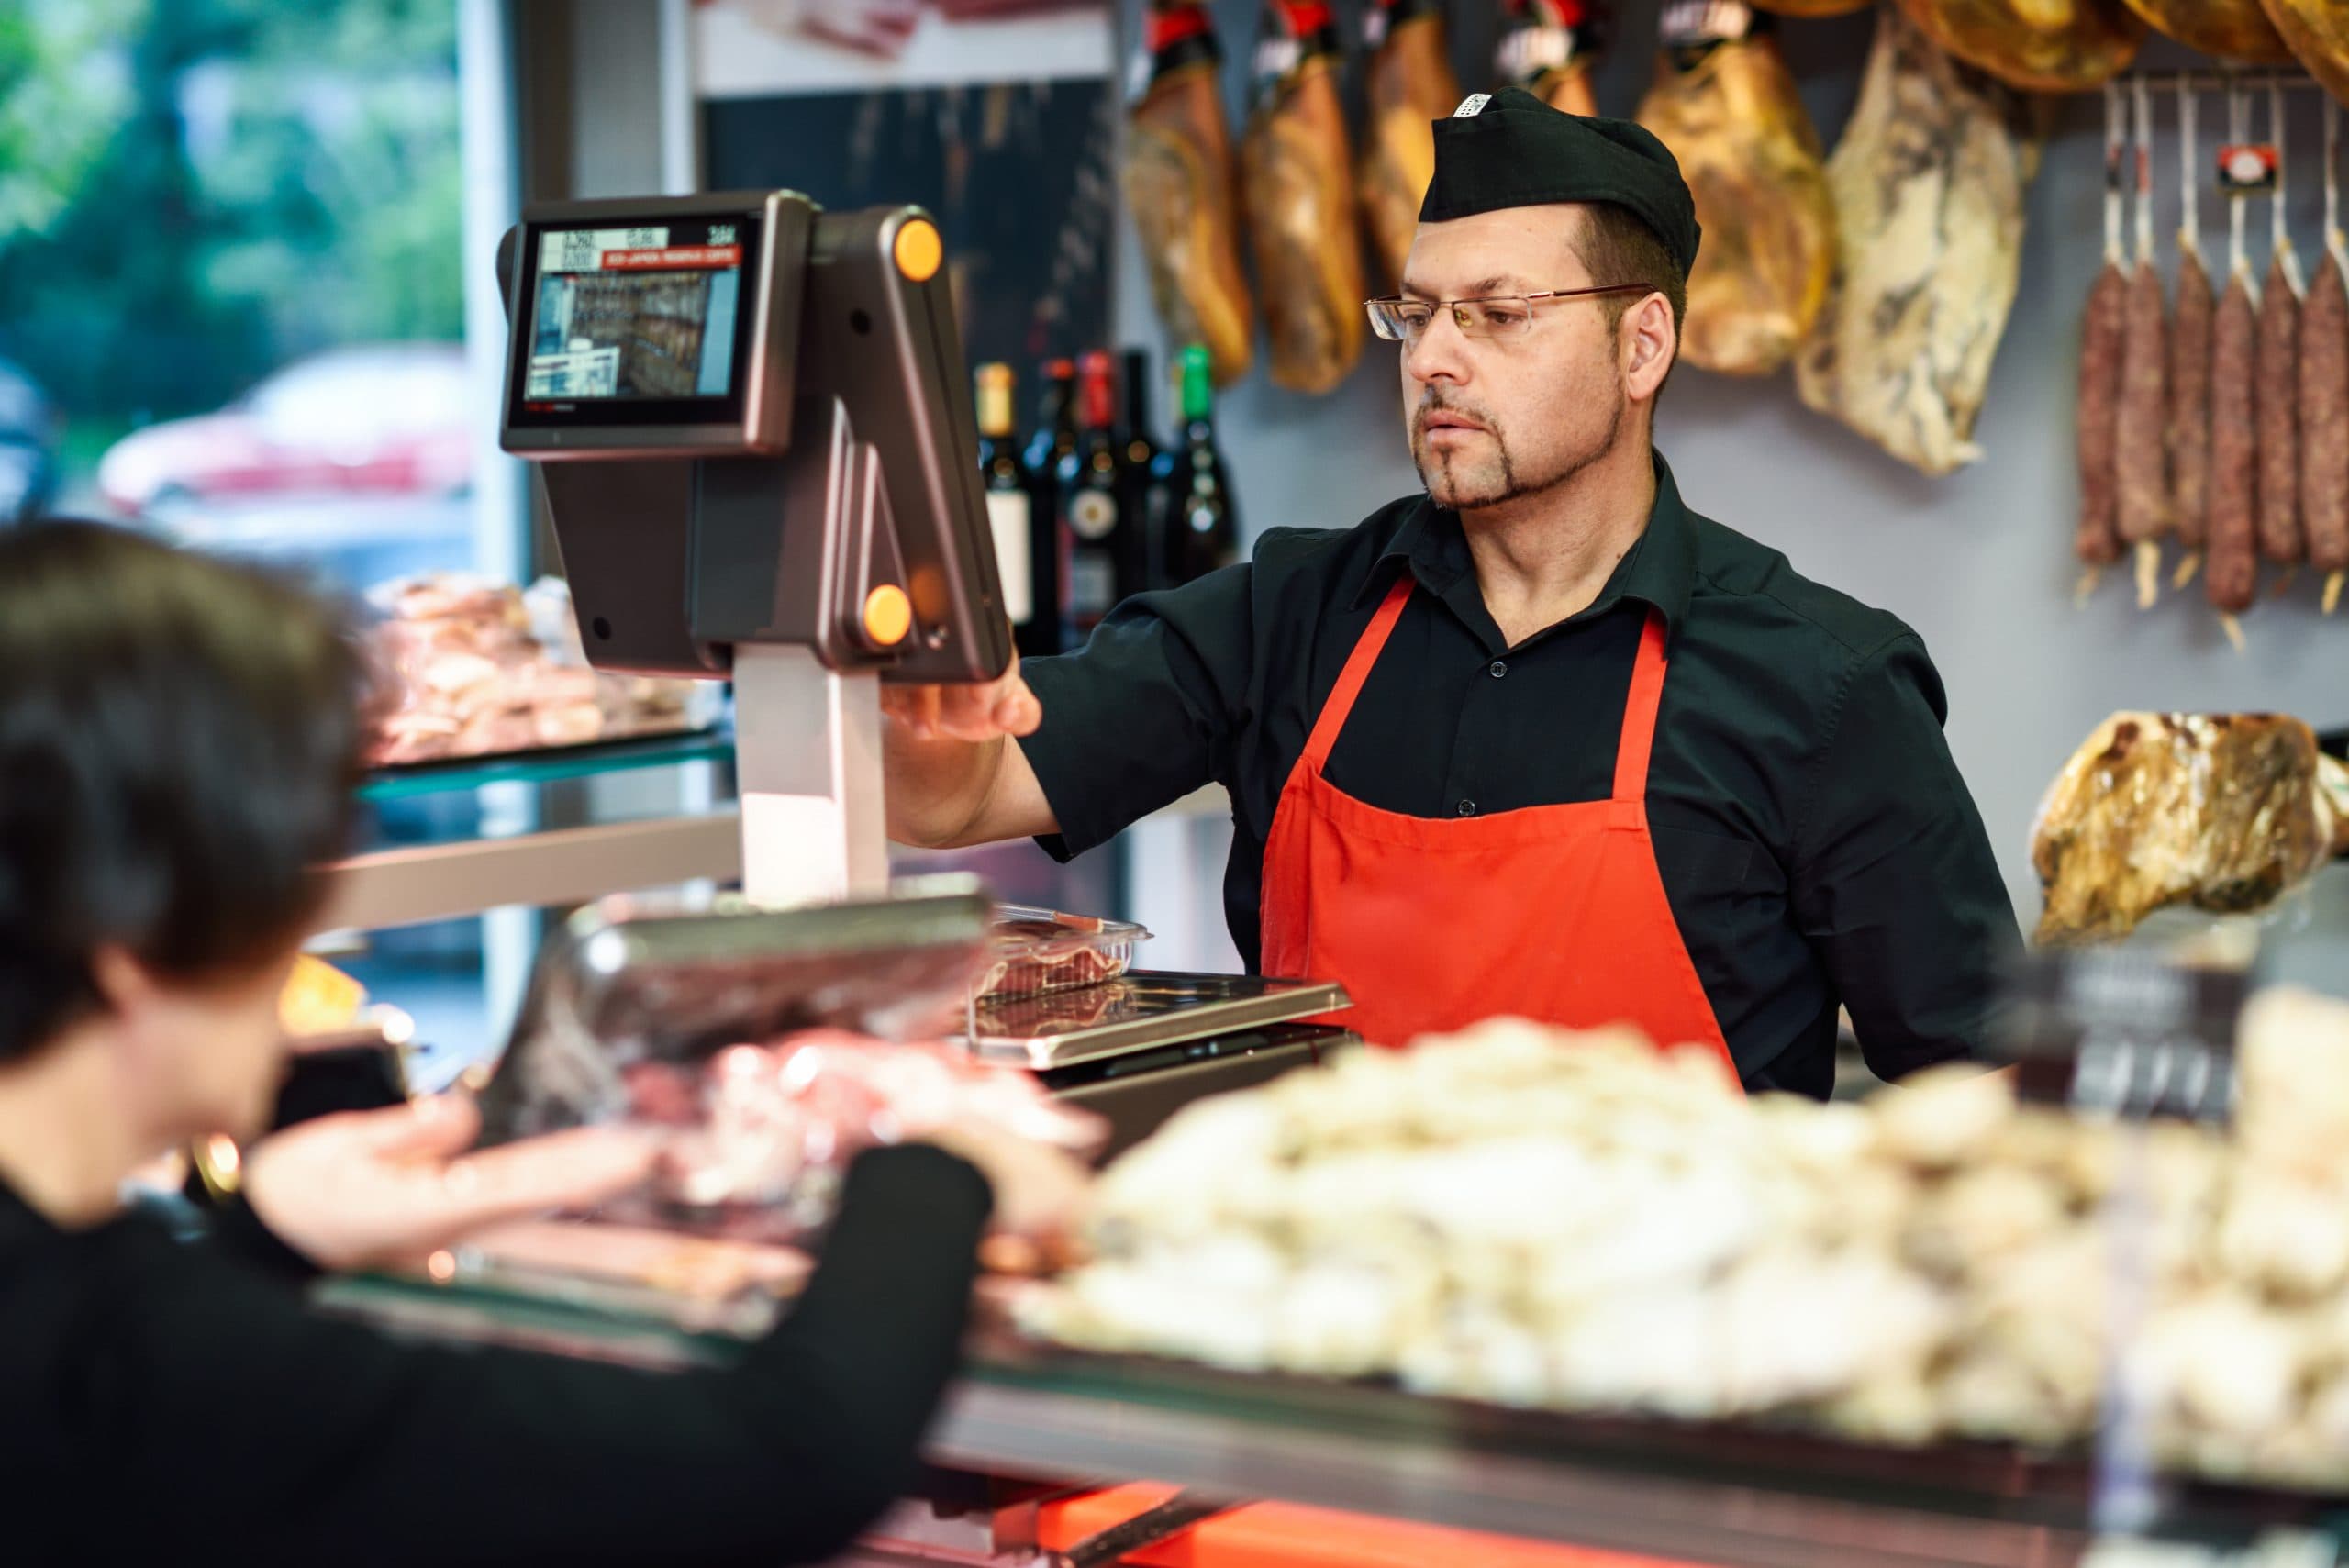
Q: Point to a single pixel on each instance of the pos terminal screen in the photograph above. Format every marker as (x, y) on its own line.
(627, 324)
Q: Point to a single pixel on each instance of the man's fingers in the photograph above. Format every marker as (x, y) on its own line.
(965, 713)
(1017, 711)
(563, 1170)
(910, 709)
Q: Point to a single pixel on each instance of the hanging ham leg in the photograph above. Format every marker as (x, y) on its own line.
(1178, 184)
(2043, 46)
(2224, 30)
(1548, 48)
(1928, 185)
(1731, 112)
(2318, 31)
(1410, 87)
(1297, 182)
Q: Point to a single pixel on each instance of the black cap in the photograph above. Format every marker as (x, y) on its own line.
(1510, 148)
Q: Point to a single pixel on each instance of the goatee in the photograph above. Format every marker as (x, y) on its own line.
(1441, 478)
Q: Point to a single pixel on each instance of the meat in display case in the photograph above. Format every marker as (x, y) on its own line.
(763, 1049)
(473, 669)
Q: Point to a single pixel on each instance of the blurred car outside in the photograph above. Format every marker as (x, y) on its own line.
(355, 464)
(372, 419)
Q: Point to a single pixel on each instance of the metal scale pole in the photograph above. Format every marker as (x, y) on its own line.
(807, 760)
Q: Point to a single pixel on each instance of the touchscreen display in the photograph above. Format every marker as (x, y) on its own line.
(639, 313)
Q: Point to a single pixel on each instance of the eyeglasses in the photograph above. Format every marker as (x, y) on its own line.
(1495, 315)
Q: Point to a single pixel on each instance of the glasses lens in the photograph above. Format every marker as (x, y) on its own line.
(1498, 318)
(1399, 320)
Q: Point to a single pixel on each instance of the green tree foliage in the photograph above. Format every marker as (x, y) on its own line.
(192, 191)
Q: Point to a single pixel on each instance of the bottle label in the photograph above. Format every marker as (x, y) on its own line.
(1092, 515)
(1008, 517)
(1092, 585)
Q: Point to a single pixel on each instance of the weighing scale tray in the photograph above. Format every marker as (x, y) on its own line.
(1141, 1010)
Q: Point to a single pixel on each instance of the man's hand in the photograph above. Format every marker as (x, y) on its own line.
(955, 777)
(369, 1187)
(1004, 706)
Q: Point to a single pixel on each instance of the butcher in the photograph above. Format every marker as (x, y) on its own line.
(1542, 740)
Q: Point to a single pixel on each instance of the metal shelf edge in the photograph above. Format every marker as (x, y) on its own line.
(570, 866)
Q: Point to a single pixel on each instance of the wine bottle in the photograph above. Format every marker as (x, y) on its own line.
(1052, 440)
(1030, 578)
(1203, 515)
(1091, 527)
(1141, 492)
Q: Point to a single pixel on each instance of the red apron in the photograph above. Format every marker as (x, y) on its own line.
(1554, 913)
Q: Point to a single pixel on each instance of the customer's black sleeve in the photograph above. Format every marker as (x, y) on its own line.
(1895, 883)
(239, 1232)
(243, 1418)
(1146, 712)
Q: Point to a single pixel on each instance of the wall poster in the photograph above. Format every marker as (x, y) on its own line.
(999, 115)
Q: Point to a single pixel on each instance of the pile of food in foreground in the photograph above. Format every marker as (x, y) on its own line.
(1519, 1214)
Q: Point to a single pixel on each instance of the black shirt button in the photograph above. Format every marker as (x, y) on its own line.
(1499, 669)
(1468, 808)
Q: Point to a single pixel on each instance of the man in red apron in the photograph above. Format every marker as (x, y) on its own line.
(1541, 740)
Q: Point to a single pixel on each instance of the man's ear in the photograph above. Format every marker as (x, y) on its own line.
(121, 981)
(1650, 345)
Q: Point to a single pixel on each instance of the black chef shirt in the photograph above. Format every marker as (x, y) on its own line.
(1815, 840)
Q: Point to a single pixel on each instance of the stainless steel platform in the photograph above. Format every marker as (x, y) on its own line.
(1141, 1010)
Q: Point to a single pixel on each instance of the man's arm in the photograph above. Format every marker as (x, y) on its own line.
(1074, 748)
(955, 774)
(1895, 883)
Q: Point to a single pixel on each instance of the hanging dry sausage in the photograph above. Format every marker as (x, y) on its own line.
(2189, 377)
(2141, 458)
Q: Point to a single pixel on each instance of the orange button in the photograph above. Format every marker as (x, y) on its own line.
(888, 615)
(919, 250)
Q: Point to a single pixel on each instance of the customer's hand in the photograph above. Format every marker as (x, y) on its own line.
(1039, 1192)
(1002, 706)
(370, 1187)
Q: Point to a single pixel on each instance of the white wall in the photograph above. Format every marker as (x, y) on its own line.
(1978, 563)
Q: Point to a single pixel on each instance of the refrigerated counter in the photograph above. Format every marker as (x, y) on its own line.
(1027, 1425)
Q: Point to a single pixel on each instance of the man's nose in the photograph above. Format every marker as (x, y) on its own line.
(1441, 353)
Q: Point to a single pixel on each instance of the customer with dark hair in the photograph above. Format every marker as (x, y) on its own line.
(178, 743)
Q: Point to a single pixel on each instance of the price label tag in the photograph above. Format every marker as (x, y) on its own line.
(1698, 24)
(2248, 168)
(2126, 1033)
